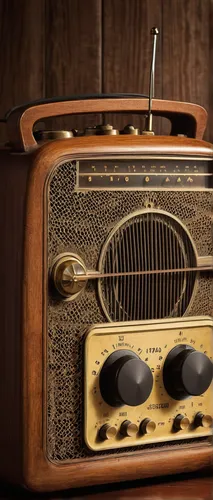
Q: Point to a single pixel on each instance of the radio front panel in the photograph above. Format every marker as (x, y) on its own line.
(138, 254)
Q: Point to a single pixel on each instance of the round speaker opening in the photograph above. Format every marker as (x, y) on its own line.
(148, 256)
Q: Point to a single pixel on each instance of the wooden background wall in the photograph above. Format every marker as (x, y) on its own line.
(64, 47)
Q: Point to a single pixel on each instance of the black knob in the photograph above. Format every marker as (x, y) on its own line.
(125, 379)
(186, 372)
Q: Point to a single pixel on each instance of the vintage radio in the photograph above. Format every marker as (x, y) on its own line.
(106, 295)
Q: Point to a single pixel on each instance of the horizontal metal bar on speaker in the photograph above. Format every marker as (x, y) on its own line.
(97, 275)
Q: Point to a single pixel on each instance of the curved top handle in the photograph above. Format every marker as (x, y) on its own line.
(186, 118)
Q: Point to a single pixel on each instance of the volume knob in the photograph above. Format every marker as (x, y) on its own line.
(186, 372)
(125, 379)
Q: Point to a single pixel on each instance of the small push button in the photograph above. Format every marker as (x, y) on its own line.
(147, 426)
(128, 429)
(107, 432)
(202, 420)
(181, 423)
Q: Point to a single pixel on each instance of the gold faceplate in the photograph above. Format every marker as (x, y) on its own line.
(151, 341)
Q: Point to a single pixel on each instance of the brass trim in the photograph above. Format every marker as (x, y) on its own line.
(206, 260)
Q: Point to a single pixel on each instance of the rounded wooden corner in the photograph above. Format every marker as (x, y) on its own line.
(44, 476)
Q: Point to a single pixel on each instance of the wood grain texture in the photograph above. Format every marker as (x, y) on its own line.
(127, 47)
(73, 53)
(186, 118)
(21, 54)
(59, 48)
(187, 68)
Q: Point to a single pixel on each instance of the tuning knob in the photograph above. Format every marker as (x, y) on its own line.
(186, 372)
(125, 379)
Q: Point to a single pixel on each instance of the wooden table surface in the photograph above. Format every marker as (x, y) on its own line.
(183, 487)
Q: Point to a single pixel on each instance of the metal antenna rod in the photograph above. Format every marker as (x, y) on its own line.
(148, 130)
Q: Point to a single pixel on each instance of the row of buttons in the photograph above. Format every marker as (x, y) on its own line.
(127, 429)
(147, 426)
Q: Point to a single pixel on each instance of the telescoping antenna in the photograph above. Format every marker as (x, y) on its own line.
(148, 124)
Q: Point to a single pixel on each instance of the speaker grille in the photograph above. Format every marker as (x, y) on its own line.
(140, 248)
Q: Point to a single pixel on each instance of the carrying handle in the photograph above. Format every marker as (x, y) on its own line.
(186, 118)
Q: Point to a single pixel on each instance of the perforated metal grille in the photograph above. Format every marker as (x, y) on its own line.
(145, 243)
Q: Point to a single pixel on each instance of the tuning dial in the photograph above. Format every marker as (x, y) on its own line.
(186, 372)
(125, 379)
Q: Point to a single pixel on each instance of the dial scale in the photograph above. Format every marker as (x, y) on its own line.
(127, 372)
